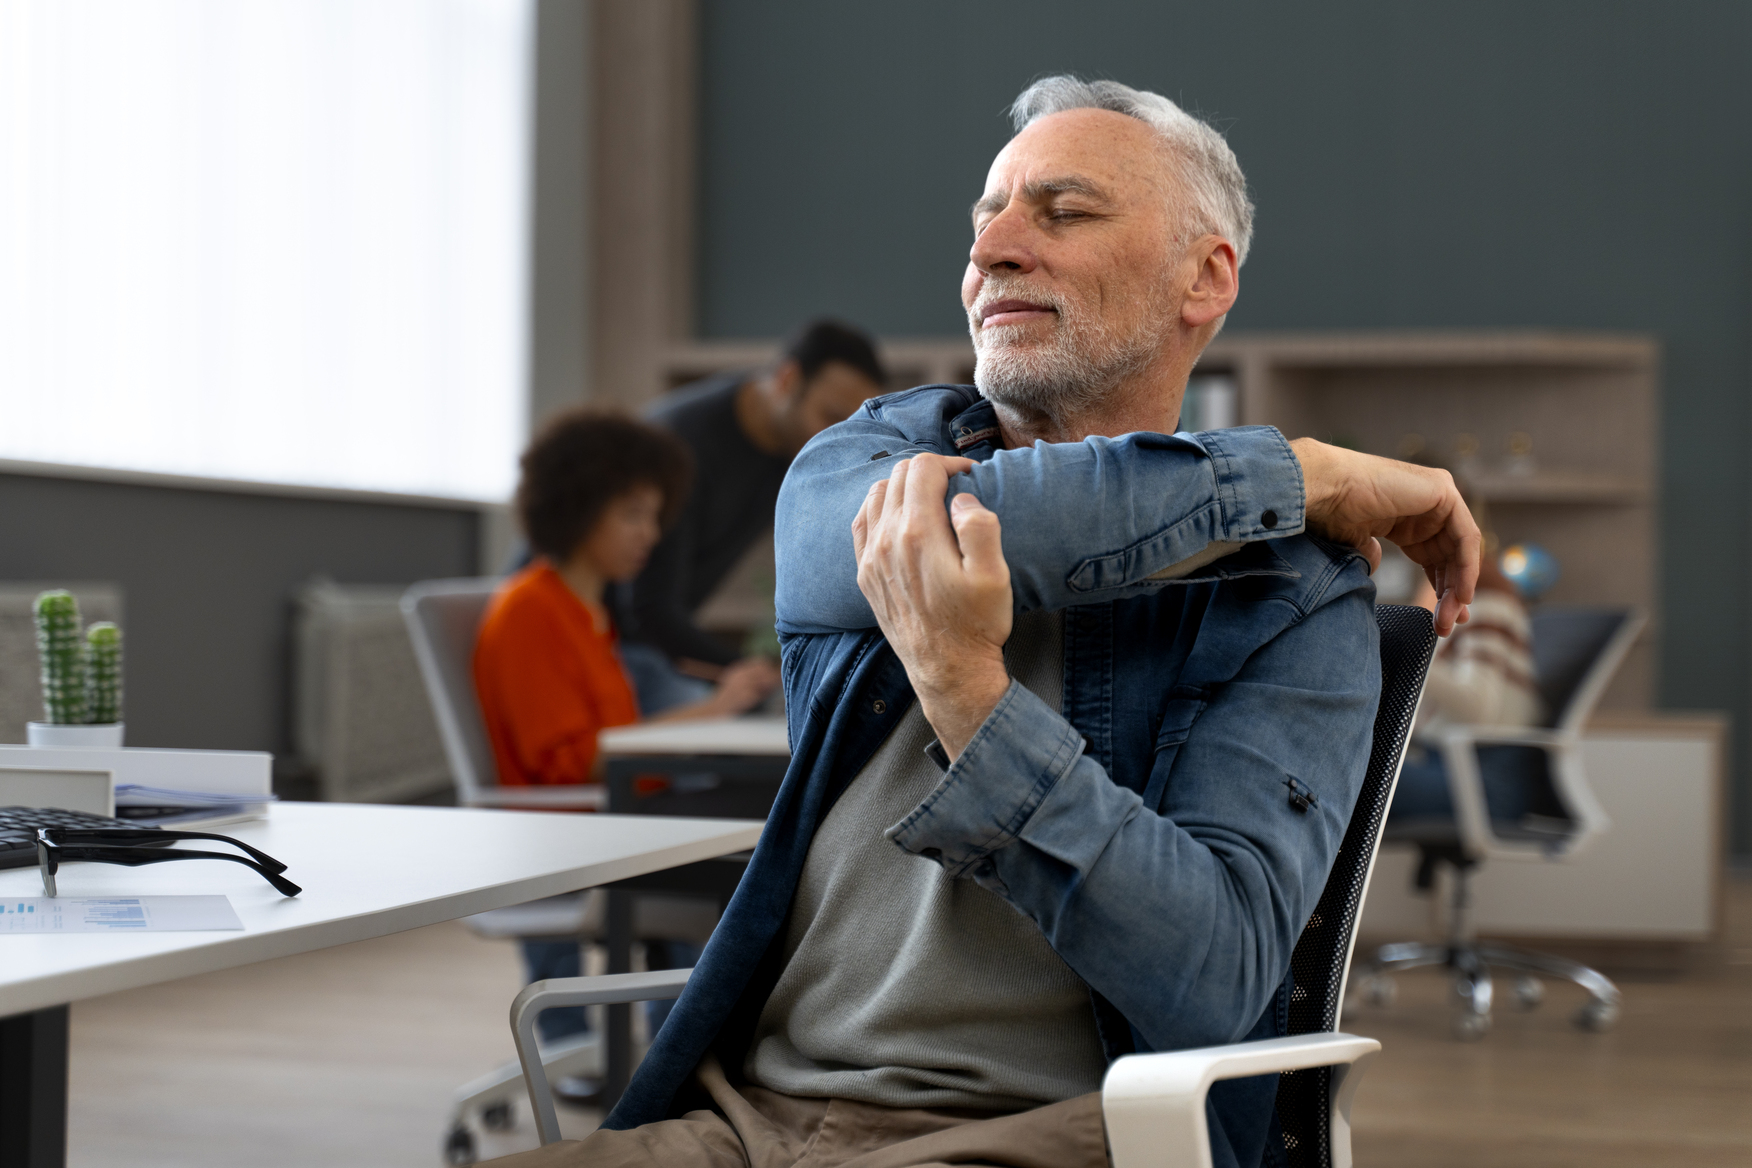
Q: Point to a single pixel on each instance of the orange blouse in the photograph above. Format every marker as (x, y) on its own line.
(548, 680)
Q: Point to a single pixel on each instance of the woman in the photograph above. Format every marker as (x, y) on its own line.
(595, 492)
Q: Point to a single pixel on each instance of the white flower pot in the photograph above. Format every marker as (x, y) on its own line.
(107, 734)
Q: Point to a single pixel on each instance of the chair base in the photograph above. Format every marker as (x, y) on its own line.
(1471, 965)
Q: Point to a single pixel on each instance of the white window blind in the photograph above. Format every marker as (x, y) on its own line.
(279, 240)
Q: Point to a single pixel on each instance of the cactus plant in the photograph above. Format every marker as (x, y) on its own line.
(62, 652)
(103, 673)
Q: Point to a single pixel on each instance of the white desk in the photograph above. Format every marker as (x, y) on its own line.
(747, 736)
(367, 871)
(734, 749)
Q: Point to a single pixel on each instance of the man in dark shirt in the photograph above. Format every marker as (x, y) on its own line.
(743, 430)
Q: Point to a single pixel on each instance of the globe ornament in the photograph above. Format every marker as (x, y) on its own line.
(1530, 568)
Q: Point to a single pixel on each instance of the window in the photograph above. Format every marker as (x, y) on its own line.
(283, 240)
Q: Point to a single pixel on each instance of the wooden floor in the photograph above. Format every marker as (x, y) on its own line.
(349, 1057)
(1670, 1085)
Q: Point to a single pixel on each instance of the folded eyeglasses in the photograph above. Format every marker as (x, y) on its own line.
(124, 845)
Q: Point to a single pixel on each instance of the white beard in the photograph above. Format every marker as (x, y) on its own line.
(1071, 371)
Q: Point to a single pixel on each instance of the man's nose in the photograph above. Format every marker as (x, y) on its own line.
(1006, 244)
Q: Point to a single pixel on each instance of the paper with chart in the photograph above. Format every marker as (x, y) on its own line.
(116, 914)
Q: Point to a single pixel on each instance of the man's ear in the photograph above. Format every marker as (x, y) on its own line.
(1216, 282)
(788, 383)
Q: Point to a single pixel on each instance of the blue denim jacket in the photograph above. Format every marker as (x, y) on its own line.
(1171, 827)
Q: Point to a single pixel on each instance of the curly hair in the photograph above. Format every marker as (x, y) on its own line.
(581, 461)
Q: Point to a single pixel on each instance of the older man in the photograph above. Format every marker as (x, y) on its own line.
(1073, 754)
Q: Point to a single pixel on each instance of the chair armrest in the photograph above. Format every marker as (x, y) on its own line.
(1459, 745)
(1506, 735)
(613, 988)
(1154, 1104)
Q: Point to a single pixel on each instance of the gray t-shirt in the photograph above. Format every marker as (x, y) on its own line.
(906, 987)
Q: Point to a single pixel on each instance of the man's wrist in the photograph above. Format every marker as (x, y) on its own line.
(957, 704)
(1318, 486)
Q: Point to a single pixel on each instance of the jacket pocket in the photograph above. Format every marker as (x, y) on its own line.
(1185, 703)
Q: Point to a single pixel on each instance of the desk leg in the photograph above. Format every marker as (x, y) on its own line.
(33, 1089)
(619, 1068)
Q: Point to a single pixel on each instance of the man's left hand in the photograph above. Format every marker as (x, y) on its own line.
(940, 589)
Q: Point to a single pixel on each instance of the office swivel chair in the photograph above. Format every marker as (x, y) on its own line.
(1517, 794)
(1154, 1104)
(443, 617)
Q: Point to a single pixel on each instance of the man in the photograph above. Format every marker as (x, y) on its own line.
(1072, 756)
(743, 431)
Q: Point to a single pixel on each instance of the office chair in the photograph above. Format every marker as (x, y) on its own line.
(1516, 794)
(1154, 1104)
(442, 618)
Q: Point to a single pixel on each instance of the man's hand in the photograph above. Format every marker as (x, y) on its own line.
(940, 589)
(745, 684)
(1354, 498)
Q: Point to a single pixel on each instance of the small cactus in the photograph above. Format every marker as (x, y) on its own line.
(62, 652)
(103, 673)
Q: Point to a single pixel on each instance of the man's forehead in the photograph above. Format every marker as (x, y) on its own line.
(1098, 150)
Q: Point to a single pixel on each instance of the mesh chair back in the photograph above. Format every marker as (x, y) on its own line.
(1575, 653)
(442, 617)
(1322, 956)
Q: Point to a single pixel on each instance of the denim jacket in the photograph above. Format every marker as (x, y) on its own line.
(1170, 828)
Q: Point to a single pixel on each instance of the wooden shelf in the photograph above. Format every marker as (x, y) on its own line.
(1589, 404)
(1559, 487)
(1447, 349)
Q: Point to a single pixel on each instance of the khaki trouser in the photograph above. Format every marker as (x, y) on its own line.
(751, 1127)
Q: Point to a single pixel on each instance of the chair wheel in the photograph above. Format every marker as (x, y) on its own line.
(1470, 1026)
(498, 1116)
(1597, 1016)
(1380, 990)
(1529, 992)
(459, 1146)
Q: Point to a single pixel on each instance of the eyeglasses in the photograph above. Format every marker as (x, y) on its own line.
(112, 845)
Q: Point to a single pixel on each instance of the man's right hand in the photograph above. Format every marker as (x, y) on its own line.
(1356, 498)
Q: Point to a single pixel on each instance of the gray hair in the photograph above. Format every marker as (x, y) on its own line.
(1202, 158)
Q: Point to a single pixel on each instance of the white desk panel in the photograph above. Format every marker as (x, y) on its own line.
(764, 735)
(367, 871)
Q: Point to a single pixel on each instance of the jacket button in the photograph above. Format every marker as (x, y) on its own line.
(1268, 520)
(879, 706)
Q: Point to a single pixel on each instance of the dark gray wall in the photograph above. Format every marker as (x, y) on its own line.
(208, 580)
(1576, 164)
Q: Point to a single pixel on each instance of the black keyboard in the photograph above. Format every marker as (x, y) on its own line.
(18, 828)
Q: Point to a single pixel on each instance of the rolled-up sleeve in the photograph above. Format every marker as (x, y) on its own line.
(1018, 755)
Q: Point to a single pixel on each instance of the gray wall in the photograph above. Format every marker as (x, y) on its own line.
(1576, 164)
(208, 579)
